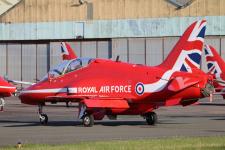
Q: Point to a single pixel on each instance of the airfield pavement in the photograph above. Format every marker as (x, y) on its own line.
(20, 122)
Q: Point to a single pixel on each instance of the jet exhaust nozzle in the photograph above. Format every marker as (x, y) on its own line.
(208, 90)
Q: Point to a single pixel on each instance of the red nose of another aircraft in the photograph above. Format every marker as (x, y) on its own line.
(6, 89)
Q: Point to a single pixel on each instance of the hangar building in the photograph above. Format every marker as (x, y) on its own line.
(140, 31)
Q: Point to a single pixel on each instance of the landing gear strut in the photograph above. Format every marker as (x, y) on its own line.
(43, 117)
(2, 103)
(151, 118)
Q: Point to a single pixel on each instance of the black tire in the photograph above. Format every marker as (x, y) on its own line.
(43, 119)
(88, 120)
(151, 118)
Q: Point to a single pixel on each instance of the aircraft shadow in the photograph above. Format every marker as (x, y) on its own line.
(121, 123)
(211, 104)
(221, 118)
(79, 123)
(210, 117)
(32, 124)
(23, 123)
(218, 131)
(193, 116)
(71, 123)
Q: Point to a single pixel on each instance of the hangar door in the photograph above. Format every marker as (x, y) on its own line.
(31, 61)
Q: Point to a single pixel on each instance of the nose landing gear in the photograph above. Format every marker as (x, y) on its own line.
(43, 117)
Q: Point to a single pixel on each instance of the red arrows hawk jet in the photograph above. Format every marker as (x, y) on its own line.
(6, 90)
(105, 87)
(216, 67)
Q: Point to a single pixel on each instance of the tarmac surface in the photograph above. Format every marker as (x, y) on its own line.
(20, 123)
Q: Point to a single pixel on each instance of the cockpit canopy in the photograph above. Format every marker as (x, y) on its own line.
(68, 66)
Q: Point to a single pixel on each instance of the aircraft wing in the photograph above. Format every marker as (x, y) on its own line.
(180, 83)
(92, 102)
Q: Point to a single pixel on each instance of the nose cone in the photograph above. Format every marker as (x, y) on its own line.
(28, 97)
(24, 95)
(6, 89)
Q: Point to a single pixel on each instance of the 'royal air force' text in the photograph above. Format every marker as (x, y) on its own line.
(103, 89)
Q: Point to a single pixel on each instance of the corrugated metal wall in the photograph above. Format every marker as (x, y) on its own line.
(152, 51)
(68, 10)
(30, 61)
(98, 29)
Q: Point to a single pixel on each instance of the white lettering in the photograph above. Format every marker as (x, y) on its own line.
(104, 89)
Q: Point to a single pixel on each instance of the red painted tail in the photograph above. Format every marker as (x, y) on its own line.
(186, 54)
(67, 51)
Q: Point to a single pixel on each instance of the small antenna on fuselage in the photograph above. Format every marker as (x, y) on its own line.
(117, 58)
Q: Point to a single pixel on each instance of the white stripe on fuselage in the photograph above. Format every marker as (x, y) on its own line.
(56, 90)
(7, 87)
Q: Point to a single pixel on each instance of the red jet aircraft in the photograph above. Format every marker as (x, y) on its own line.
(105, 87)
(216, 67)
(6, 90)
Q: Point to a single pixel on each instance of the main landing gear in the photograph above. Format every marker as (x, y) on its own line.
(87, 118)
(151, 118)
(43, 117)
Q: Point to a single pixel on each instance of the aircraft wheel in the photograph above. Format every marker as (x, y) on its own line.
(43, 119)
(151, 118)
(88, 120)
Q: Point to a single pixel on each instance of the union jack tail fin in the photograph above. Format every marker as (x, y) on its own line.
(214, 62)
(67, 51)
(186, 54)
(216, 67)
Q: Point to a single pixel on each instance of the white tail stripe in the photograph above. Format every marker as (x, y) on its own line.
(197, 29)
(65, 49)
(159, 85)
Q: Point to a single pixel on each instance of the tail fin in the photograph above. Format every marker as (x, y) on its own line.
(186, 54)
(67, 51)
(215, 66)
(215, 63)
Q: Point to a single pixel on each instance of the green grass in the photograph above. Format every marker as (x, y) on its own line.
(179, 143)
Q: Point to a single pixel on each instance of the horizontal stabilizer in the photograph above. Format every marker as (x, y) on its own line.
(172, 102)
(180, 83)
